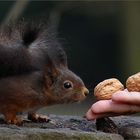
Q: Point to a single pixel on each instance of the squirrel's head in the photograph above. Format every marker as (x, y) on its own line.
(63, 86)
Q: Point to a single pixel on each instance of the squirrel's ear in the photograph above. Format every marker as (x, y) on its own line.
(51, 73)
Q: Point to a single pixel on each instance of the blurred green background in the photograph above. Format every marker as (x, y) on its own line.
(101, 38)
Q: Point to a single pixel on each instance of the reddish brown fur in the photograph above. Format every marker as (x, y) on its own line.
(33, 73)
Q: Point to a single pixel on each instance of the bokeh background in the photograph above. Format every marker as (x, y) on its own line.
(101, 39)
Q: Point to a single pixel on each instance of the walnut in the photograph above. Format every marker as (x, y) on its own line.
(133, 82)
(105, 89)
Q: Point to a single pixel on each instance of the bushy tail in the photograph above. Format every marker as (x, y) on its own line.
(25, 47)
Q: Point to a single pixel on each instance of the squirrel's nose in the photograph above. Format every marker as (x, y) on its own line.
(85, 91)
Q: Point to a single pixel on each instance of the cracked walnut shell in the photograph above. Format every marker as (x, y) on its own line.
(105, 89)
(133, 82)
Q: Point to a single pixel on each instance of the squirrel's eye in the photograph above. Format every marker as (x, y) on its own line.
(67, 84)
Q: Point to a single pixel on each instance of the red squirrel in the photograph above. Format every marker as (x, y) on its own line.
(34, 72)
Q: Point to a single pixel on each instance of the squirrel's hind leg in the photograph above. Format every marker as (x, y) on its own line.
(10, 118)
(38, 118)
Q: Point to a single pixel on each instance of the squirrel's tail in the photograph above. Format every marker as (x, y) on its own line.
(22, 48)
(25, 47)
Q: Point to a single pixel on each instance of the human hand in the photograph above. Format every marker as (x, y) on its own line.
(122, 103)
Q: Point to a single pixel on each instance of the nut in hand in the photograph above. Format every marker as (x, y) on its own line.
(133, 83)
(105, 89)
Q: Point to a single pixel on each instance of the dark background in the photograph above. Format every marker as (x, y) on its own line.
(101, 38)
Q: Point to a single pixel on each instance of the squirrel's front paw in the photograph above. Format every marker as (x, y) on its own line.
(10, 118)
(16, 121)
(38, 118)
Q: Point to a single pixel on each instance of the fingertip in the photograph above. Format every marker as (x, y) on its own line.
(90, 115)
(100, 106)
(96, 107)
(118, 95)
